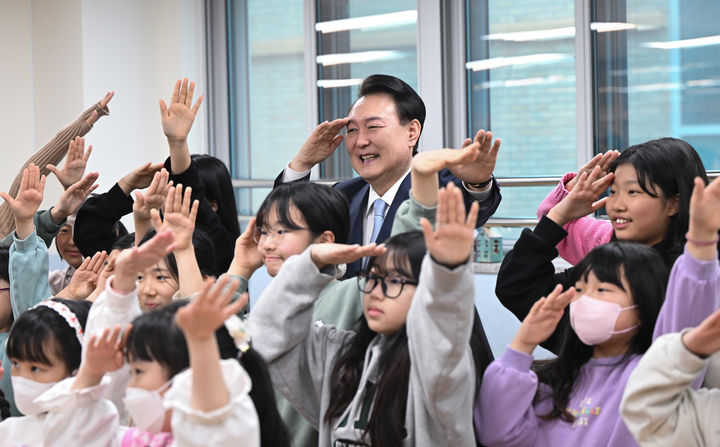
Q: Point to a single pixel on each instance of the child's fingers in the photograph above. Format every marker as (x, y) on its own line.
(459, 206)
(25, 179)
(557, 290)
(85, 264)
(122, 342)
(112, 335)
(176, 91)
(471, 220)
(86, 157)
(183, 91)
(698, 191)
(6, 197)
(196, 107)
(536, 307)
(194, 211)
(598, 204)
(186, 201)
(177, 199)
(191, 92)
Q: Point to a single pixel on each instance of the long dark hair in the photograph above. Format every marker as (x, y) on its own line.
(647, 277)
(216, 181)
(156, 337)
(670, 164)
(324, 208)
(41, 329)
(4, 406)
(203, 249)
(387, 420)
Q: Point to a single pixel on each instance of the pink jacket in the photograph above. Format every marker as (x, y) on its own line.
(584, 234)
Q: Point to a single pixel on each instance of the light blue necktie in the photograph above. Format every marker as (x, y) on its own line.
(379, 215)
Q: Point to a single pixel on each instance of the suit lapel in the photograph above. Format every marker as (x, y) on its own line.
(358, 204)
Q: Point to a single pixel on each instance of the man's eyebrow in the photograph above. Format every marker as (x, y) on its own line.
(367, 120)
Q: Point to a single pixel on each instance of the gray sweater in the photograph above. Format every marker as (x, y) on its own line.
(442, 375)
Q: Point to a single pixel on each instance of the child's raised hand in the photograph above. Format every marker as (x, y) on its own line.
(179, 216)
(704, 340)
(75, 163)
(600, 160)
(480, 169)
(330, 253)
(103, 354)
(177, 120)
(705, 210)
(583, 199)
(73, 197)
(139, 178)
(154, 197)
(136, 259)
(105, 351)
(542, 320)
(30, 195)
(451, 241)
(431, 162)
(246, 259)
(107, 269)
(85, 278)
(209, 310)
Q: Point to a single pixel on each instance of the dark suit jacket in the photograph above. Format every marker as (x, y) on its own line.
(356, 192)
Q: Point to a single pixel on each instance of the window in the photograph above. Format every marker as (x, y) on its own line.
(521, 85)
(266, 51)
(658, 73)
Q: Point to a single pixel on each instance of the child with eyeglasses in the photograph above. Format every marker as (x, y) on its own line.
(407, 373)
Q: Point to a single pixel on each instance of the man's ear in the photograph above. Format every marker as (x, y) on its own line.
(414, 127)
(327, 236)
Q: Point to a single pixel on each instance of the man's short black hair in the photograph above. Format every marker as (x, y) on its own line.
(408, 104)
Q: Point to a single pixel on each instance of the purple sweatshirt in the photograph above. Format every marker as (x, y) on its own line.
(507, 413)
(584, 234)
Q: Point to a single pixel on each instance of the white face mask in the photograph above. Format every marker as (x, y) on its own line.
(146, 407)
(26, 391)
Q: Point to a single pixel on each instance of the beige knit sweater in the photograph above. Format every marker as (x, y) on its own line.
(52, 153)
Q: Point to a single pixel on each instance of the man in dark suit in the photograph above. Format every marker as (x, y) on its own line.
(383, 129)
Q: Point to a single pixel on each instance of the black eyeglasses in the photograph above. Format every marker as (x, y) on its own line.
(260, 234)
(391, 285)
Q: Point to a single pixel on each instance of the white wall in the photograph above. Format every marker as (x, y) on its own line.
(60, 57)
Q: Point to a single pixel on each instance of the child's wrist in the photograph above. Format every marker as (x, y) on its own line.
(122, 282)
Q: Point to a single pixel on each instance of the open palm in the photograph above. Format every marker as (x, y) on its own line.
(451, 240)
(177, 119)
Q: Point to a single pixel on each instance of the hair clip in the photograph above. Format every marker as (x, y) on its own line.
(238, 332)
(66, 314)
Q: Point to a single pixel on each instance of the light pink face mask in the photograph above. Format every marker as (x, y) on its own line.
(593, 320)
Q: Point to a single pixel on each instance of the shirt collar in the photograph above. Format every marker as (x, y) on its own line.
(388, 197)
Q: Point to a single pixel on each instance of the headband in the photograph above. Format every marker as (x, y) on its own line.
(66, 315)
(238, 332)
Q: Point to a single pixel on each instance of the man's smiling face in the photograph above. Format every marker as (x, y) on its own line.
(380, 147)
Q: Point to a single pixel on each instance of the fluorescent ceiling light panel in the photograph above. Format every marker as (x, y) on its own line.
(497, 62)
(360, 56)
(558, 33)
(685, 43)
(389, 20)
(526, 36)
(335, 83)
(605, 27)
